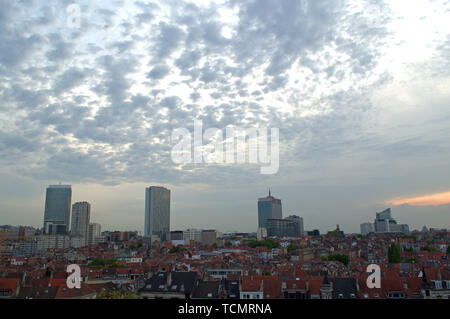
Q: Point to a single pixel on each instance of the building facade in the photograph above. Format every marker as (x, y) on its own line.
(367, 228)
(94, 233)
(57, 209)
(81, 214)
(157, 212)
(268, 208)
(299, 228)
(282, 228)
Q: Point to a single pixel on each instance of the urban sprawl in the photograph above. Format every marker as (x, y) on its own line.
(279, 261)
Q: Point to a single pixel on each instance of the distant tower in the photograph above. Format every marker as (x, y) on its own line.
(268, 208)
(58, 199)
(81, 214)
(157, 212)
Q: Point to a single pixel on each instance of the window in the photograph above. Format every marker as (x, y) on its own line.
(438, 284)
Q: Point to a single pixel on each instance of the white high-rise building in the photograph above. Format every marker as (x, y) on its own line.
(81, 214)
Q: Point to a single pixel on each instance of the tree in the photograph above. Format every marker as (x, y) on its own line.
(101, 294)
(131, 295)
(97, 263)
(448, 250)
(228, 244)
(429, 248)
(394, 254)
(116, 294)
(345, 259)
(268, 243)
(215, 246)
(48, 272)
(292, 247)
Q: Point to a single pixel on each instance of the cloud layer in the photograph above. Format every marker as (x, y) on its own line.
(98, 104)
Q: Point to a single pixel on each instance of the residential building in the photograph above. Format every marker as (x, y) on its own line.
(170, 285)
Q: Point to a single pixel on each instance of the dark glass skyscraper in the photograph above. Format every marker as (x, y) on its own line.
(57, 209)
(157, 212)
(268, 208)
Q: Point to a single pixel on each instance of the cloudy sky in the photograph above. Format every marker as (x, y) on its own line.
(360, 92)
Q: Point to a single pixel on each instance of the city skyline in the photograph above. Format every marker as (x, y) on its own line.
(358, 91)
(213, 225)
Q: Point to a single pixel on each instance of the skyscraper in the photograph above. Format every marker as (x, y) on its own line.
(157, 212)
(268, 208)
(57, 209)
(81, 214)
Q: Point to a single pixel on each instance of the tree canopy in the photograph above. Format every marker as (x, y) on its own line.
(345, 259)
(394, 254)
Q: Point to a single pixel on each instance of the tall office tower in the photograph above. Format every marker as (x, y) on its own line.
(268, 208)
(94, 232)
(57, 209)
(157, 212)
(81, 214)
(298, 221)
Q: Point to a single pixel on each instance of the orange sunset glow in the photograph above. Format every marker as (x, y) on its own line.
(425, 200)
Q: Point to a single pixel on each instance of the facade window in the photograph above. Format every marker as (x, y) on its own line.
(438, 284)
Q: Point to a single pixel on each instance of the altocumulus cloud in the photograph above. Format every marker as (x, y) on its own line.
(99, 103)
